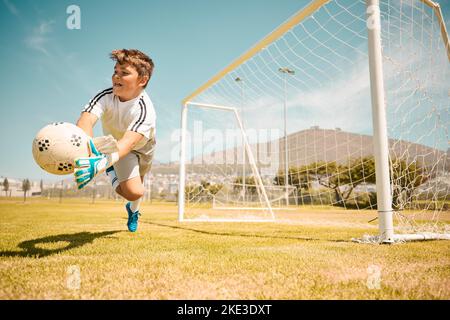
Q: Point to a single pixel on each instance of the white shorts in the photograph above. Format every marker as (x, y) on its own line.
(133, 165)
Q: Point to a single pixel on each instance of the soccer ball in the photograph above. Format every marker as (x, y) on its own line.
(57, 145)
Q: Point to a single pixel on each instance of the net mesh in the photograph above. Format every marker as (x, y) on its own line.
(305, 105)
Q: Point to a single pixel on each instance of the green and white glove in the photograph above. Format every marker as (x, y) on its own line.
(87, 168)
(106, 144)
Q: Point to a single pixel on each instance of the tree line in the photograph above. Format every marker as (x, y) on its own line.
(340, 179)
(343, 179)
(26, 186)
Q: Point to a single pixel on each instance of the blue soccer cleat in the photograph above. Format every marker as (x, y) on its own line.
(133, 218)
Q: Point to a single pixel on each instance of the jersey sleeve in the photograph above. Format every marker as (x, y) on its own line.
(144, 120)
(97, 104)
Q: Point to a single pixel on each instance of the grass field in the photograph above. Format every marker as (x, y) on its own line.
(45, 245)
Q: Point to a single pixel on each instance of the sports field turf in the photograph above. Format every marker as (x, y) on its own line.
(79, 250)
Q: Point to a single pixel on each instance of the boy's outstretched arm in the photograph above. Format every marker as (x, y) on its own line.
(129, 140)
(86, 122)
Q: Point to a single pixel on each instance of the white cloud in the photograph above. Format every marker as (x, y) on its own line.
(11, 7)
(38, 39)
(45, 27)
(37, 42)
(343, 103)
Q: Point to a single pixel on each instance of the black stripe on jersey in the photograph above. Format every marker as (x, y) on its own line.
(145, 115)
(94, 100)
(142, 117)
(97, 98)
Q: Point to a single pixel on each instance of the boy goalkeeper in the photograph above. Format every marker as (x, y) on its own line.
(127, 114)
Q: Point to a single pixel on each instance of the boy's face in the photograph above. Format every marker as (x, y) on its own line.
(127, 84)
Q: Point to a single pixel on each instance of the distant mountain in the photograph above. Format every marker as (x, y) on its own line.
(316, 144)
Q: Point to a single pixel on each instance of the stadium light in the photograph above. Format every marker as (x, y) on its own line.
(286, 71)
(240, 81)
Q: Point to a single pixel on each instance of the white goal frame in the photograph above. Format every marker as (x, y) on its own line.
(260, 186)
(381, 151)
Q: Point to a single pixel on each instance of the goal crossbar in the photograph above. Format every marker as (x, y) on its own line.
(285, 27)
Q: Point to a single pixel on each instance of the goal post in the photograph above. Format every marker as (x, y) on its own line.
(380, 137)
(265, 204)
(356, 92)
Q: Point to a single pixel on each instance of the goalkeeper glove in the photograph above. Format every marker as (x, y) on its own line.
(87, 168)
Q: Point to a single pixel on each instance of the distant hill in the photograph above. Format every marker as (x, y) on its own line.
(316, 144)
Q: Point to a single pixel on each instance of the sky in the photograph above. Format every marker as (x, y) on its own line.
(49, 71)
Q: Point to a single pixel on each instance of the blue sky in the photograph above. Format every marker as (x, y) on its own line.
(49, 72)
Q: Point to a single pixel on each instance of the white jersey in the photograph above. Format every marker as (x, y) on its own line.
(118, 117)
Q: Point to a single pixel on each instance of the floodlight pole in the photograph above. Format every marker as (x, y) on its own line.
(182, 177)
(285, 72)
(239, 80)
(380, 137)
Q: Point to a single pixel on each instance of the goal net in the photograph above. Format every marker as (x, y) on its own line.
(309, 118)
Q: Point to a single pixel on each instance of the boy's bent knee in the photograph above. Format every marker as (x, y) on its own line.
(133, 195)
(132, 189)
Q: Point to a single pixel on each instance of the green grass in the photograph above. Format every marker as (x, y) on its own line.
(311, 259)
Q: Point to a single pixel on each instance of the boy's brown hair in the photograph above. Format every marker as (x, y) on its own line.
(139, 60)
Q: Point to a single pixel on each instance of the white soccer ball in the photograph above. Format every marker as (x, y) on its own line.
(57, 145)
